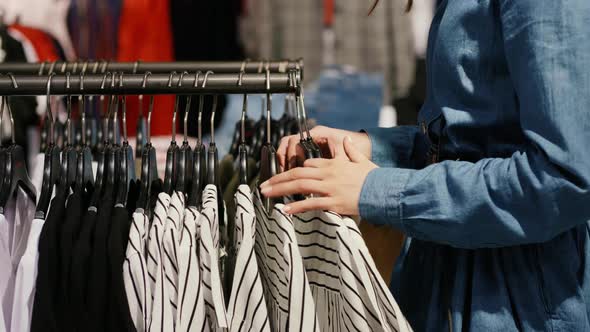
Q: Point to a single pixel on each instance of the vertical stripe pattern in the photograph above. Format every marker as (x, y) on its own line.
(247, 308)
(135, 275)
(191, 303)
(161, 319)
(286, 288)
(208, 235)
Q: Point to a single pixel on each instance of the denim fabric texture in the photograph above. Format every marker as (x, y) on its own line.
(498, 229)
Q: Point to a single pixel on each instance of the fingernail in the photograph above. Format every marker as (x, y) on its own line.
(265, 190)
(286, 209)
(348, 139)
(264, 184)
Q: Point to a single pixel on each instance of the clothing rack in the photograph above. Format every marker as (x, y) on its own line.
(220, 67)
(110, 83)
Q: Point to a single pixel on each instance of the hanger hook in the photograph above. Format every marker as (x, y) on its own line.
(52, 67)
(140, 97)
(187, 108)
(175, 107)
(14, 85)
(42, 67)
(124, 110)
(106, 119)
(69, 109)
(268, 106)
(63, 67)
(135, 66)
(201, 104)
(49, 112)
(302, 103)
(150, 109)
(82, 100)
(244, 107)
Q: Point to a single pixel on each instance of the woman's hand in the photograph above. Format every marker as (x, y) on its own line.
(330, 141)
(337, 183)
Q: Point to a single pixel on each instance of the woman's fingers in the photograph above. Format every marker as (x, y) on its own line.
(300, 186)
(294, 174)
(318, 203)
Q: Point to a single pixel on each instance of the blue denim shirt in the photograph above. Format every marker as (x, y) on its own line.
(498, 229)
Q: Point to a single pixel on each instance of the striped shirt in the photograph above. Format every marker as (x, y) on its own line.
(191, 303)
(170, 244)
(135, 275)
(161, 318)
(247, 308)
(348, 291)
(286, 288)
(208, 235)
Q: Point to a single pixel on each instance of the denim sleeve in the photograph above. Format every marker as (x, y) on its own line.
(392, 147)
(540, 191)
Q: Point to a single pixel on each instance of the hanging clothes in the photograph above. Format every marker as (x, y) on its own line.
(247, 307)
(15, 227)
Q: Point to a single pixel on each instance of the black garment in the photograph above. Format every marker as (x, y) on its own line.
(119, 317)
(46, 314)
(99, 278)
(67, 236)
(80, 270)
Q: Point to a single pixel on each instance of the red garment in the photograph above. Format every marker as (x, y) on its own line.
(41, 41)
(145, 34)
(328, 12)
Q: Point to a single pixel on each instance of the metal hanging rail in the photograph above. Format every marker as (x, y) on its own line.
(220, 67)
(135, 84)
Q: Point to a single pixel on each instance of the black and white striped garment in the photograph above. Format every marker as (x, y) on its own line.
(135, 274)
(208, 236)
(348, 291)
(367, 267)
(170, 244)
(286, 289)
(161, 318)
(247, 308)
(191, 303)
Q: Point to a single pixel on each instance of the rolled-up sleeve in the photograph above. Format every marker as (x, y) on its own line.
(536, 193)
(393, 147)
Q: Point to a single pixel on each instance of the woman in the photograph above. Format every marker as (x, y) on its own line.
(493, 187)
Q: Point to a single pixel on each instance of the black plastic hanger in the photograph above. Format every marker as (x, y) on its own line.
(101, 153)
(212, 154)
(112, 161)
(242, 149)
(126, 160)
(170, 170)
(269, 164)
(149, 166)
(84, 173)
(69, 155)
(184, 158)
(199, 174)
(51, 163)
(15, 169)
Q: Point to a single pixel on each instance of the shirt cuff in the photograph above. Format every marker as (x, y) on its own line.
(381, 195)
(392, 147)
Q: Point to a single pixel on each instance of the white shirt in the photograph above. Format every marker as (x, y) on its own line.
(208, 235)
(161, 318)
(135, 274)
(15, 226)
(247, 307)
(171, 238)
(286, 289)
(26, 278)
(342, 281)
(191, 314)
